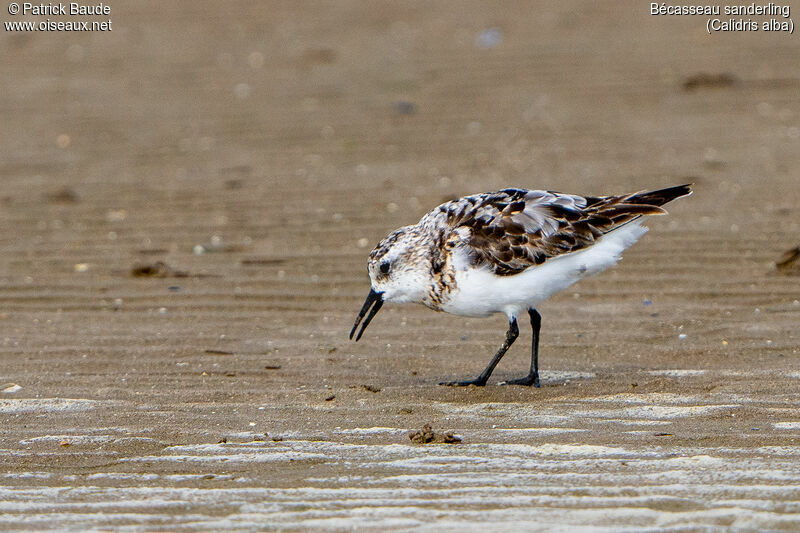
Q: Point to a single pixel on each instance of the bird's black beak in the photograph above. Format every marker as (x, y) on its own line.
(375, 298)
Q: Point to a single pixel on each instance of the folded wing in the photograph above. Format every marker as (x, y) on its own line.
(514, 229)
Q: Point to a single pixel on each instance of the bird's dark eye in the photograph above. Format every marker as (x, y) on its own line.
(384, 267)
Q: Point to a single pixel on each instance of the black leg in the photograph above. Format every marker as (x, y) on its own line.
(533, 377)
(480, 381)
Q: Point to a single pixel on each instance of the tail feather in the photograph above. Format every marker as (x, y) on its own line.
(662, 196)
(621, 210)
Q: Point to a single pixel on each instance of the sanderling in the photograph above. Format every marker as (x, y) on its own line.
(505, 252)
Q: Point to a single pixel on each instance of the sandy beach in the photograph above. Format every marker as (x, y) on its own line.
(188, 203)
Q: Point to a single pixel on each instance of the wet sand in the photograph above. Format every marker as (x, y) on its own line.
(260, 151)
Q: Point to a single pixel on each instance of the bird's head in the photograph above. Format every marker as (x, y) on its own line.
(399, 271)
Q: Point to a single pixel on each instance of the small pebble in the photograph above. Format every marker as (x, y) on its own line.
(116, 215)
(404, 108)
(489, 38)
(242, 91)
(255, 60)
(682, 336)
(63, 140)
(11, 388)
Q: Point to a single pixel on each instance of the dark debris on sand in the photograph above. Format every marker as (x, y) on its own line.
(426, 435)
(789, 263)
(709, 81)
(67, 195)
(159, 269)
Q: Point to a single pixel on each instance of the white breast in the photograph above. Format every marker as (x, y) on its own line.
(481, 293)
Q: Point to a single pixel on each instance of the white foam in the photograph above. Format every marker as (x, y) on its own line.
(371, 431)
(27, 475)
(644, 398)
(45, 405)
(536, 431)
(480, 486)
(677, 373)
(565, 375)
(635, 422)
(283, 456)
(786, 425)
(122, 476)
(71, 439)
(84, 439)
(519, 411)
(244, 435)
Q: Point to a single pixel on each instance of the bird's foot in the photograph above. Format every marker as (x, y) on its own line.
(478, 382)
(527, 381)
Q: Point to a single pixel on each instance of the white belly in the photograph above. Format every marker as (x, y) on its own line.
(480, 293)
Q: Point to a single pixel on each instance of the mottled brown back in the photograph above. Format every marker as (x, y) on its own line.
(514, 229)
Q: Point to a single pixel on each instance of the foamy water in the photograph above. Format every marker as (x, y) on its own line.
(580, 487)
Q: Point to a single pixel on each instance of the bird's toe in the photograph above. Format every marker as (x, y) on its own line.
(527, 381)
(475, 382)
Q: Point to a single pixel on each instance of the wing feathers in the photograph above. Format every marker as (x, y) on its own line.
(514, 229)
